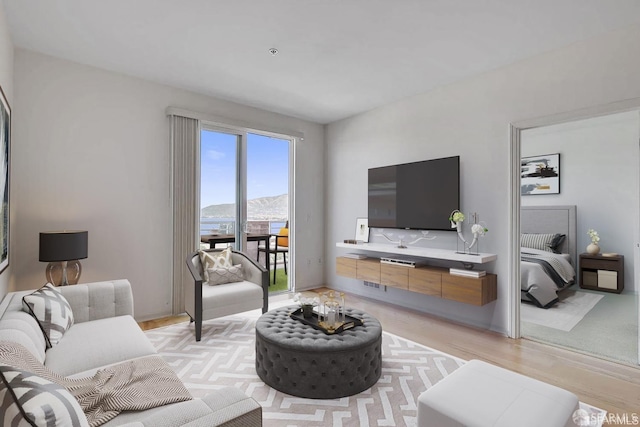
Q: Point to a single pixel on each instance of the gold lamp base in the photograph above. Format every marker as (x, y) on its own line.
(63, 273)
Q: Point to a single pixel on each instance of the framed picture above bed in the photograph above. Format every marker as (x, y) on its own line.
(540, 174)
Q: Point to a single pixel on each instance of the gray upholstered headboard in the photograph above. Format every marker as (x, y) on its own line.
(552, 219)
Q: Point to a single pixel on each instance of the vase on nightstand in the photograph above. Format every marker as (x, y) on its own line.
(593, 249)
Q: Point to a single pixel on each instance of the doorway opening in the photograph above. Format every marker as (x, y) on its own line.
(598, 174)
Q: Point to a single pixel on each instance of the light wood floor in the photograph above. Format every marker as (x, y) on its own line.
(607, 385)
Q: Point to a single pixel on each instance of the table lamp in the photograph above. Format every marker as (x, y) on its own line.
(62, 250)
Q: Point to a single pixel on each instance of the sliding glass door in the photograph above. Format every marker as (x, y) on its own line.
(244, 197)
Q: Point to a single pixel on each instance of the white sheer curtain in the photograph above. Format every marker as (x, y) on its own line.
(185, 143)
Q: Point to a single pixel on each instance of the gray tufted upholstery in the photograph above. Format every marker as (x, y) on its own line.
(299, 360)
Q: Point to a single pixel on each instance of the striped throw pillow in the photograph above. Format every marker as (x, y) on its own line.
(29, 400)
(541, 242)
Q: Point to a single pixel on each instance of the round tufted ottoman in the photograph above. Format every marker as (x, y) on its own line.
(297, 359)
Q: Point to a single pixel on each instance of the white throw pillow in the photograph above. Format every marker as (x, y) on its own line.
(52, 311)
(210, 260)
(220, 276)
(27, 400)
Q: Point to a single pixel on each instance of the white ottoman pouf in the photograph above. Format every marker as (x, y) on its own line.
(479, 395)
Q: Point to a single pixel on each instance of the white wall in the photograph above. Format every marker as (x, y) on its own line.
(91, 151)
(6, 82)
(470, 119)
(599, 162)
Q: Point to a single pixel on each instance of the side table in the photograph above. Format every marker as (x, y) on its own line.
(602, 273)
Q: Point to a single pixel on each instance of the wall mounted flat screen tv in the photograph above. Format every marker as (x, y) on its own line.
(418, 195)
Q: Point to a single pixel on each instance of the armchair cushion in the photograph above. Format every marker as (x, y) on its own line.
(220, 276)
(210, 260)
(52, 311)
(230, 298)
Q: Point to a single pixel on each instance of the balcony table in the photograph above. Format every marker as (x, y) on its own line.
(213, 239)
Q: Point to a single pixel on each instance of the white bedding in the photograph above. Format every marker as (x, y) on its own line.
(536, 285)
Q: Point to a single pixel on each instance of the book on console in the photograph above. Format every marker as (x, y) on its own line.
(354, 256)
(467, 273)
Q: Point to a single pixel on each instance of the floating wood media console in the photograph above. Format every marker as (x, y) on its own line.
(433, 281)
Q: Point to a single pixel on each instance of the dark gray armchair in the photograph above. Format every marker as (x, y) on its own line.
(204, 302)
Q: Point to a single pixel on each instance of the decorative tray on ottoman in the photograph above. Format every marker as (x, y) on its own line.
(314, 322)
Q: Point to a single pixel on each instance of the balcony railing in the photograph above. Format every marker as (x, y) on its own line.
(228, 226)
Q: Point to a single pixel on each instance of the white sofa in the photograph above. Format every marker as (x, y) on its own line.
(105, 333)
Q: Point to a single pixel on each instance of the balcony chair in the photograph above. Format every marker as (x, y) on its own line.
(281, 246)
(204, 302)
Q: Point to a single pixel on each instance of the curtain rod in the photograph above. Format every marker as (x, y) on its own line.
(234, 123)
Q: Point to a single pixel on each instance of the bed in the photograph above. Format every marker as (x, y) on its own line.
(548, 260)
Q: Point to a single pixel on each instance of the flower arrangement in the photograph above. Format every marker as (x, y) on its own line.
(593, 234)
(479, 229)
(456, 216)
(302, 300)
(306, 303)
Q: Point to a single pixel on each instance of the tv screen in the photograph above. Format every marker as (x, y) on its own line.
(419, 195)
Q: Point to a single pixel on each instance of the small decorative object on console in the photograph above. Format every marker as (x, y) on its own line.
(477, 229)
(401, 241)
(362, 230)
(593, 248)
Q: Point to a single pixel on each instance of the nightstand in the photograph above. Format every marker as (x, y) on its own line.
(602, 273)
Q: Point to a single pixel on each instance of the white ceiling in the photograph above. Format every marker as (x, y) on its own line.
(336, 58)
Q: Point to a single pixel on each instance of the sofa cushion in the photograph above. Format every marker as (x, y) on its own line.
(20, 327)
(27, 399)
(98, 300)
(52, 311)
(220, 276)
(98, 343)
(228, 406)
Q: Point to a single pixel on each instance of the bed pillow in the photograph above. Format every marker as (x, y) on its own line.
(211, 260)
(27, 399)
(220, 276)
(556, 243)
(543, 242)
(52, 311)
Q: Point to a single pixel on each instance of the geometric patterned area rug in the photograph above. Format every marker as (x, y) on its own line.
(226, 357)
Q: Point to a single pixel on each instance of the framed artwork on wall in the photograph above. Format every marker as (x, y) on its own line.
(540, 174)
(362, 230)
(5, 143)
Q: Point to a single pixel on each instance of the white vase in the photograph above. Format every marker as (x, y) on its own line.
(593, 249)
